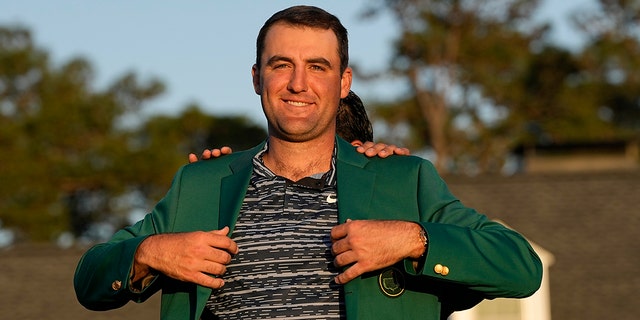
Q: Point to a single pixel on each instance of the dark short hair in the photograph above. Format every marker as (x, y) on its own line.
(311, 17)
(352, 122)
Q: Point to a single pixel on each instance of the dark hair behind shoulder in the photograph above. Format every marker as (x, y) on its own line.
(352, 122)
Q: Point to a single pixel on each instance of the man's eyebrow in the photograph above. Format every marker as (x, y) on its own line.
(319, 60)
(276, 58)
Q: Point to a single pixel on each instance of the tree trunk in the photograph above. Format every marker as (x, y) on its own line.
(433, 108)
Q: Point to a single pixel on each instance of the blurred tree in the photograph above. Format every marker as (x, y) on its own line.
(610, 61)
(483, 79)
(27, 196)
(58, 136)
(69, 162)
(163, 142)
(451, 53)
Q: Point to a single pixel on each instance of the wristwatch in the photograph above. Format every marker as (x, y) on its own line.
(424, 239)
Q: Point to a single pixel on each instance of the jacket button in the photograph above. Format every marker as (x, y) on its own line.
(441, 270)
(116, 285)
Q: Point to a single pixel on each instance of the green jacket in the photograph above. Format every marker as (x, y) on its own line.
(483, 258)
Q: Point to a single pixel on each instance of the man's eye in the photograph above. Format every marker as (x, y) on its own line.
(281, 66)
(317, 68)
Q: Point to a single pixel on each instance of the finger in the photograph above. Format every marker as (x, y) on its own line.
(226, 150)
(338, 232)
(206, 154)
(216, 249)
(364, 146)
(208, 281)
(402, 151)
(368, 144)
(344, 258)
(356, 143)
(224, 231)
(349, 274)
(383, 153)
(214, 268)
(376, 149)
(215, 153)
(192, 158)
(219, 257)
(222, 241)
(387, 151)
(338, 247)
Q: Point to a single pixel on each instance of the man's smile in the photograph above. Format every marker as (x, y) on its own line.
(297, 103)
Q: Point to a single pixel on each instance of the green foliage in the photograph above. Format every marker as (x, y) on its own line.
(67, 160)
(162, 144)
(484, 80)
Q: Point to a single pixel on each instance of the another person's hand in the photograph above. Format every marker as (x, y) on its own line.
(195, 257)
(382, 150)
(210, 153)
(370, 149)
(368, 245)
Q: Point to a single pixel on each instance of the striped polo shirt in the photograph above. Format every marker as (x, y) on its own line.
(284, 267)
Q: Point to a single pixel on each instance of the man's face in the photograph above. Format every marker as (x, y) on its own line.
(300, 82)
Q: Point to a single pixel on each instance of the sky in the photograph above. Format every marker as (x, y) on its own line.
(203, 50)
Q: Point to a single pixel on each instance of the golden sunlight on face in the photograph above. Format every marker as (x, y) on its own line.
(300, 82)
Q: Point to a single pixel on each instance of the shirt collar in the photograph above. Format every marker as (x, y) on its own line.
(328, 178)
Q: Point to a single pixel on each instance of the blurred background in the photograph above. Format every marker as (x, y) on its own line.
(529, 109)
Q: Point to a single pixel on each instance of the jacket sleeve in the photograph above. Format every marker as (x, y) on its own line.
(467, 249)
(101, 279)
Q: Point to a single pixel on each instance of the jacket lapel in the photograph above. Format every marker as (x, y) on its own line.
(355, 183)
(355, 192)
(232, 191)
(233, 188)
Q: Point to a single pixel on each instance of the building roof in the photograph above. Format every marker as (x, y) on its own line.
(588, 221)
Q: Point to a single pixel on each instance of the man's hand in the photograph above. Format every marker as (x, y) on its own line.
(192, 256)
(382, 150)
(210, 153)
(368, 245)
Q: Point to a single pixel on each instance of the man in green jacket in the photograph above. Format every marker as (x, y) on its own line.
(302, 225)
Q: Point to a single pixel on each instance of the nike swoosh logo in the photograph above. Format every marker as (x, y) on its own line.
(331, 199)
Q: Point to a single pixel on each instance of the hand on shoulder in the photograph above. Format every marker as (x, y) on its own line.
(370, 149)
(210, 154)
(382, 150)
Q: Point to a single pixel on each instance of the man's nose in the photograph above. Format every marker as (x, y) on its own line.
(298, 81)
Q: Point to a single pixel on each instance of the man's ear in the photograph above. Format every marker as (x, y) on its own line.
(345, 82)
(255, 76)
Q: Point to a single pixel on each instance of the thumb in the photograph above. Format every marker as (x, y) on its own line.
(349, 274)
(223, 232)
